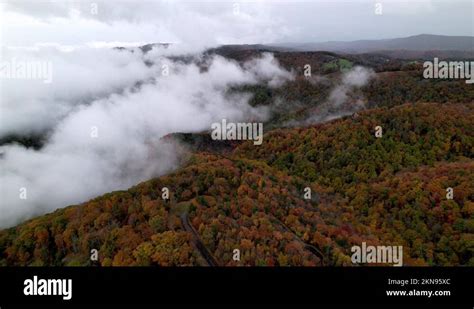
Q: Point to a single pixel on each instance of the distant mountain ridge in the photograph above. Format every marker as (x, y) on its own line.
(422, 46)
(422, 42)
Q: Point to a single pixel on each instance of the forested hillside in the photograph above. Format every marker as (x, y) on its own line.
(388, 190)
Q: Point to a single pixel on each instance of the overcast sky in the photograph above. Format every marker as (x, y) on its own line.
(206, 23)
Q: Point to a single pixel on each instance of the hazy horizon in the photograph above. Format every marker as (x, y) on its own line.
(112, 23)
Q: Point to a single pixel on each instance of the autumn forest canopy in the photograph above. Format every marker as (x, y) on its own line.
(226, 195)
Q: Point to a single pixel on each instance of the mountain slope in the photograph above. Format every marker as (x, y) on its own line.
(389, 191)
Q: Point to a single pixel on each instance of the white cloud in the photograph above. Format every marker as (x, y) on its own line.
(73, 166)
(76, 78)
(356, 77)
(208, 23)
